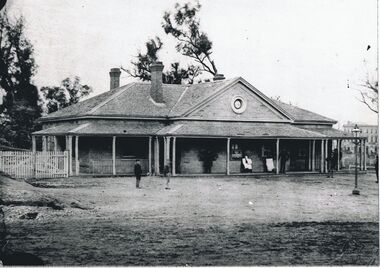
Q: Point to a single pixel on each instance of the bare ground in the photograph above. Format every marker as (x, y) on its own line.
(309, 220)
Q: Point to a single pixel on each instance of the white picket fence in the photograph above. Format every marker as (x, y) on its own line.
(35, 165)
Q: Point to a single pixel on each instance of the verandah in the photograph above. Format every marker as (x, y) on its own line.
(115, 155)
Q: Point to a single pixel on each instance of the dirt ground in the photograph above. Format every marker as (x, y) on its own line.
(308, 220)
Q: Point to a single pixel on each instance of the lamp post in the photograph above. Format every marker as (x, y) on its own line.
(356, 132)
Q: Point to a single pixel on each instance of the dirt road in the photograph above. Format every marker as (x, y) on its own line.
(200, 221)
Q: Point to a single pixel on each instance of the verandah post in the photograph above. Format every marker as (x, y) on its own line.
(173, 156)
(277, 155)
(338, 158)
(77, 155)
(365, 156)
(313, 157)
(156, 156)
(55, 143)
(44, 143)
(322, 162)
(34, 144)
(150, 155)
(326, 154)
(228, 156)
(114, 155)
(165, 152)
(70, 149)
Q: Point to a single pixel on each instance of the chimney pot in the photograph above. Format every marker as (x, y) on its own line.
(156, 91)
(114, 78)
(218, 77)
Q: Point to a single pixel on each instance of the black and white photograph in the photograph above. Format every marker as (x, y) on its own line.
(189, 133)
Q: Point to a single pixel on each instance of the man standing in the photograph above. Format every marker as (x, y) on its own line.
(138, 172)
(284, 156)
(330, 165)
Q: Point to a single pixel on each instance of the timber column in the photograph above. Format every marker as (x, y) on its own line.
(313, 156)
(77, 155)
(113, 155)
(277, 155)
(156, 156)
(69, 148)
(150, 156)
(173, 156)
(228, 156)
(34, 144)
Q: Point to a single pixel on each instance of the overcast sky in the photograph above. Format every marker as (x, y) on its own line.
(306, 52)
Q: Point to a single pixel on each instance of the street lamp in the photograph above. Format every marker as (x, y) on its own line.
(356, 132)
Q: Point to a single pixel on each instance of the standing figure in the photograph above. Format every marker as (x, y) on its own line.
(330, 165)
(247, 164)
(284, 157)
(167, 175)
(335, 160)
(138, 172)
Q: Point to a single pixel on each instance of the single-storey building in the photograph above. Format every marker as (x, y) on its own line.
(194, 129)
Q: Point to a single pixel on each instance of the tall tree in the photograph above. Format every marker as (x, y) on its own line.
(175, 75)
(369, 92)
(21, 104)
(184, 26)
(70, 92)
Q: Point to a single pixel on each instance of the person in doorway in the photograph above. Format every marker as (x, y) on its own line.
(138, 172)
(330, 165)
(284, 157)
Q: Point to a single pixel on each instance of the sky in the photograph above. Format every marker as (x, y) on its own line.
(312, 53)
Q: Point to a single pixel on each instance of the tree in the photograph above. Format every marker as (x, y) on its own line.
(184, 26)
(70, 92)
(369, 92)
(21, 103)
(175, 75)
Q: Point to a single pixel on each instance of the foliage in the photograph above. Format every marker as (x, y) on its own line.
(184, 26)
(175, 75)
(369, 92)
(21, 104)
(70, 92)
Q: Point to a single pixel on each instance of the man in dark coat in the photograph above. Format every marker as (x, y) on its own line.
(284, 157)
(330, 164)
(138, 172)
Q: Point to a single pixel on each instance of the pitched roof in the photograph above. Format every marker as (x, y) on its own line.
(133, 100)
(237, 129)
(300, 114)
(331, 132)
(106, 127)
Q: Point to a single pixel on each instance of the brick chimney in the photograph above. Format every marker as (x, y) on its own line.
(218, 77)
(156, 82)
(114, 78)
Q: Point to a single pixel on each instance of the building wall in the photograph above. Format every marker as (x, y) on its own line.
(220, 108)
(95, 155)
(188, 155)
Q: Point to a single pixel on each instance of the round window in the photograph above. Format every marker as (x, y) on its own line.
(238, 104)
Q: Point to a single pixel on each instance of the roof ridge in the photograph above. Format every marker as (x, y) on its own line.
(93, 110)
